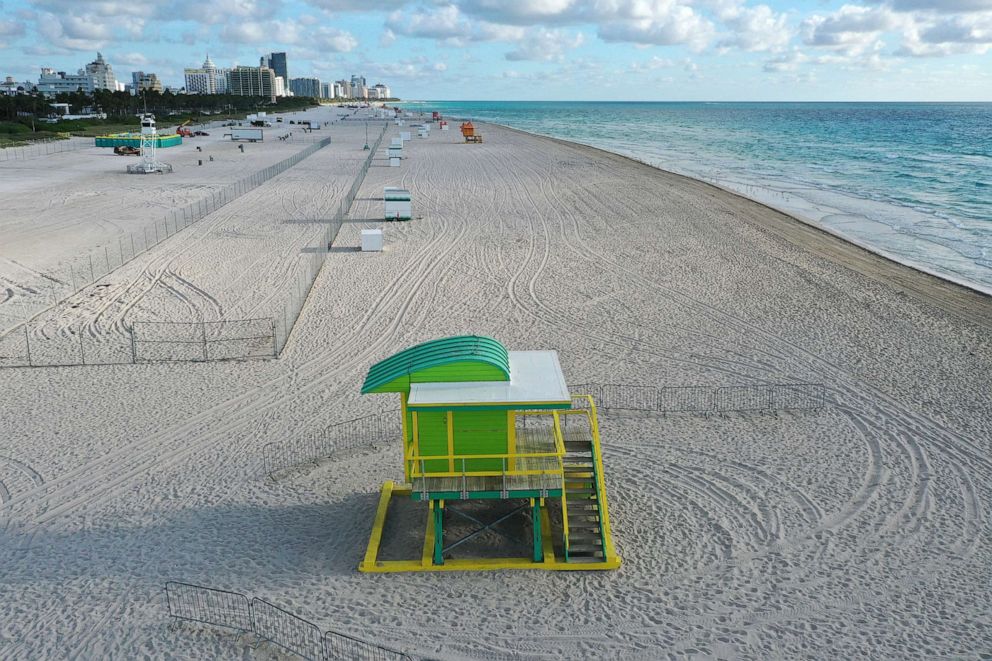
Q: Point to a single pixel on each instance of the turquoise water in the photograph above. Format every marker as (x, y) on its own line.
(911, 180)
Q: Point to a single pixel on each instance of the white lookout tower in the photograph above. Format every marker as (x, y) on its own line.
(149, 141)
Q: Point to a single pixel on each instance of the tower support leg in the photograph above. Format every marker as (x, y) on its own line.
(438, 532)
(535, 516)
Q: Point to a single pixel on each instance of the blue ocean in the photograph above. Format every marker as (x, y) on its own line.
(910, 180)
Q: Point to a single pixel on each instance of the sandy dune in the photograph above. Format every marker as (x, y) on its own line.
(859, 530)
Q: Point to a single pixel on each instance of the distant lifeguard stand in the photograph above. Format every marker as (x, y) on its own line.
(468, 132)
(481, 423)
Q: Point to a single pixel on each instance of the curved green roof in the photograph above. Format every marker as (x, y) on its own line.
(460, 358)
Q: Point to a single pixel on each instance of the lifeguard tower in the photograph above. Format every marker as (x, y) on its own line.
(481, 423)
(468, 132)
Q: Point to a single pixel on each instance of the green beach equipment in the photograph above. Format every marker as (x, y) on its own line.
(481, 423)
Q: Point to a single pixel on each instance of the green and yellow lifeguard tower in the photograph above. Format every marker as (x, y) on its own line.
(481, 423)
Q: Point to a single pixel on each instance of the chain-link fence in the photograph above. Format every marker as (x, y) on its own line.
(70, 278)
(308, 275)
(14, 151)
(705, 399)
(361, 432)
(144, 342)
(157, 341)
(270, 624)
(381, 428)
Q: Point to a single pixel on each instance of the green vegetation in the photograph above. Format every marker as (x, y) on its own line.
(21, 116)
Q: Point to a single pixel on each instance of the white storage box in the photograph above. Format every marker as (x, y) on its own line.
(371, 240)
(396, 142)
(394, 162)
(395, 152)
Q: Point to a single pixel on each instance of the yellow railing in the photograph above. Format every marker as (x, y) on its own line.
(512, 462)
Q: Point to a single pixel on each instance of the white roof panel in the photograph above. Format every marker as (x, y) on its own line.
(535, 377)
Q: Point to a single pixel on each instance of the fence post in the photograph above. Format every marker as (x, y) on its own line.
(92, 277)
(27, 345)
(203, 334)
(273, 323)
(82, 354)
(134, 349)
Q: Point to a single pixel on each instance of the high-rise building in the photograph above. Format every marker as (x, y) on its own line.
(276, 62)
(345, 89)
(208, 79)
(281, 87)
(383, 91)
(102, 74)
(252, 81)
(327, 90)
(149, 82)
(357, 81)
(305, 87)
(53, 82)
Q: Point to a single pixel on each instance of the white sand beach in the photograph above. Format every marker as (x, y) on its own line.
(859, 530)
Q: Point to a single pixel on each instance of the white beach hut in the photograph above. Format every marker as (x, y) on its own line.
(398, 204)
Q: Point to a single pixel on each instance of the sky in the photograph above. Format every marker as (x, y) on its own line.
(664, 50)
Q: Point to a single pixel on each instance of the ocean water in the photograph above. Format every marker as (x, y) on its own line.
(910, 180)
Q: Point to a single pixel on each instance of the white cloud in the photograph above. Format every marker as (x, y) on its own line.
(290, 32)
(417, 68)
(789, 61)
(543, 44)
(964, 34)
(11, 28)
(943, 6)
(448, 25)
(87, 32)
(652, 64)
(130, 59)
(851, 30)
(754, 29)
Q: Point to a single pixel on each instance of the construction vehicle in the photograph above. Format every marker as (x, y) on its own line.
(127, 151)
(468, 131)
(183, 131)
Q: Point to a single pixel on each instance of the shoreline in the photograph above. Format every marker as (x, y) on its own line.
(922, 281)
(880, 252)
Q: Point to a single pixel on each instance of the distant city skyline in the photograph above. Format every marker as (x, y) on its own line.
(927, 50)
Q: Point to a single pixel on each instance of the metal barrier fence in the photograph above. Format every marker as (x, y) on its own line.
(37, 148)
(69, 279)
(706, 399)
(195, 603)
(179, 341)
(351, 434)
(282, 628)
(270, 623)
